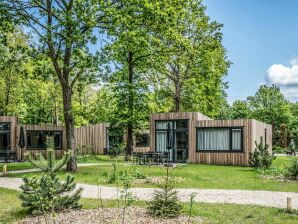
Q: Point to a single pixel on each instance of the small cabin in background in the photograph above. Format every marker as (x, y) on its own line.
(31, 139)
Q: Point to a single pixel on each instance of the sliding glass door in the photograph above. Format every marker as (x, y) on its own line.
(179, 137)
(4, 136)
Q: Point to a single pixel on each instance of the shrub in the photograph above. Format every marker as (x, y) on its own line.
(271, 171)
(291, 171)
(261, 158)
(278, 149)
(125, 182)
(46, 193)
(165, 201)
(86, 151)
(137, 173)
(113, 177)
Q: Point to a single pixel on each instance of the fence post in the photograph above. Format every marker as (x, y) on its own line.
(4, 172)
(289, 204)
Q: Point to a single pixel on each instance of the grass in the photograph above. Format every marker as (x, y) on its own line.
(16, 166)
(26, 165)
(11, 211)
(190, 176)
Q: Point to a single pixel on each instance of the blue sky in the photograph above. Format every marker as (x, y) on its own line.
(261, 37)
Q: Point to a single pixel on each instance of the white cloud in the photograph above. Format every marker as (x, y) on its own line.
(286, 77)
(279, 74)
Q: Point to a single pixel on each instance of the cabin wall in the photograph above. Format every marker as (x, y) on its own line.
(259, 131)
(22, 152)
(252, 131)
(222, 158)
(92, 135)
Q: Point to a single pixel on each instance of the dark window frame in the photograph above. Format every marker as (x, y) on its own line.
(44, 147)
(230, 150)
(8, 132)
(173, 130)
(147, 144)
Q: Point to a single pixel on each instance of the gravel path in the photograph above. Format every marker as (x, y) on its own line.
(263, 198)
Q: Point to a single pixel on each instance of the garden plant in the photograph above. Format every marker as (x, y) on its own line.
(47, 193)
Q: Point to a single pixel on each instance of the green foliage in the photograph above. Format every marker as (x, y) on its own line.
(291, 171)
(137, 173)
(240, 110)
(114, 175)
(272, 171)
(260, 157)
(191, 204)
(165, 201)
(86, 152)
(49, 165)
(278, 149)
(46, 193)
(125, 182)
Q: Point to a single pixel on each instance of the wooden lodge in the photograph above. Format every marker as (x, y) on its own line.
(30, 139)
(196, 138)
(193, 137)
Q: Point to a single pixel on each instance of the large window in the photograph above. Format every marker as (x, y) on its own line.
(37, 139)
(5, 136)
(142, 140)
(220, 139)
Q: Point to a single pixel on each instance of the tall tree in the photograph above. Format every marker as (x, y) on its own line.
(14, 52)
(193, 73)
(64, 29)
(269, 105)
(136, 30)
(240, 110)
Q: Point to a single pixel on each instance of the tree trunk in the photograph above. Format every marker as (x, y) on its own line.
(129, 143)
(69, 127)
(7, 95)
(177, 97)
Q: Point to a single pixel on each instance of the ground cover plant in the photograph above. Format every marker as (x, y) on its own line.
(11, 211)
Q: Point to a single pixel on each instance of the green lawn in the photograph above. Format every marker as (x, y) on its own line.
(190, 176)
(16, 166)
(26, 165)
(11, 211)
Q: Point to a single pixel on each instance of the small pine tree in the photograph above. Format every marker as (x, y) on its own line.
(261, 158)
(165, 201)
(291, 171)
(46, 193)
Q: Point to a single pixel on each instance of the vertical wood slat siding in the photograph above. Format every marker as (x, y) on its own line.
(191, 116)
(34, 152)
(92, 135)
(252, 129)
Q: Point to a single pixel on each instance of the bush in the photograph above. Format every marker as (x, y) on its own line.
(137, 173)
(278, 149)
(273, 171)
(291, 171)
(113, 177)
(261, 158)
(165, 201)
(46, 193)
(86, 151)
(116, 150)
